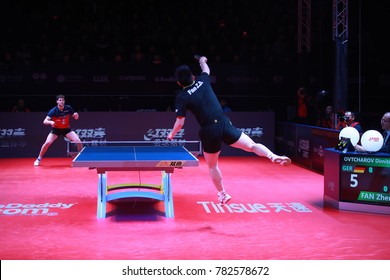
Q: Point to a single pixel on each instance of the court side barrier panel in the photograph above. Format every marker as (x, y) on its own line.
(304, 144)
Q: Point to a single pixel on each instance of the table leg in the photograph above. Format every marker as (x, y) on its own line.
(102, 195)
(168, 198)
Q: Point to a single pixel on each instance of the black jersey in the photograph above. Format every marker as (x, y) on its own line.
(200, 99)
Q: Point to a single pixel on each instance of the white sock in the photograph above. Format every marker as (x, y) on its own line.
(222, 193)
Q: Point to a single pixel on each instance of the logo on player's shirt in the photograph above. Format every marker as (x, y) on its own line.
(195, 87)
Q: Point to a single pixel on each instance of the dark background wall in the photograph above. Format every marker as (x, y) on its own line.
(121, 55)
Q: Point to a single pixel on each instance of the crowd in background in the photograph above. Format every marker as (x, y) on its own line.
(148, 31)
(159, 32)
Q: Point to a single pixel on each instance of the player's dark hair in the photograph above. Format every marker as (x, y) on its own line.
(184, 75)
(60, 96)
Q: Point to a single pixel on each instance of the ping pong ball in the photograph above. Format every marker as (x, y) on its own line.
(351, 133)
(372, 140)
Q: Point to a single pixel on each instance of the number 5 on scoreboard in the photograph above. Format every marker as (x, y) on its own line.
(354, 181)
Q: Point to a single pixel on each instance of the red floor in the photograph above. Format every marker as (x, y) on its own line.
(276, 213)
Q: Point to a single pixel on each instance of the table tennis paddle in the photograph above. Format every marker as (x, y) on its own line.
(197, 56)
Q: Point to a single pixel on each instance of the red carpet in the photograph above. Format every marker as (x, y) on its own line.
(277, 213)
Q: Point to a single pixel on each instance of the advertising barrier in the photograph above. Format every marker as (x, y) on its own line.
(304, 144)
(22, 134)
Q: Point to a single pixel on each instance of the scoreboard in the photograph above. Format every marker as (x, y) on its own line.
(357, 181)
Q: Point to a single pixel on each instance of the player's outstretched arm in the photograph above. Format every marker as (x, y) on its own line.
(203, 65)
(179, 123)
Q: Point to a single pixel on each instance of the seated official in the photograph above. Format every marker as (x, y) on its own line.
(385, 123)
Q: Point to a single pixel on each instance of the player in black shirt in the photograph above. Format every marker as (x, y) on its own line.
(198, 97)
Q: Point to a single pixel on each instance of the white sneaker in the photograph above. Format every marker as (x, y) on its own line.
(282, 160)
(224, 198)
(37, 162)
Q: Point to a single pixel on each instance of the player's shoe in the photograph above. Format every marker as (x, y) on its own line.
(282, 160)
(223, 198)
(37, 162)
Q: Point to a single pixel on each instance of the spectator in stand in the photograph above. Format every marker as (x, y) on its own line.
(224, 105)
(302, 106)
(327, 118)
(7, 62)
(20, 106)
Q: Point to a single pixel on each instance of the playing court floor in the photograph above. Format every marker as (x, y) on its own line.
(277, 213)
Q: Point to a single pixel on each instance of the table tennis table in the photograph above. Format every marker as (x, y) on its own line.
(135, 158)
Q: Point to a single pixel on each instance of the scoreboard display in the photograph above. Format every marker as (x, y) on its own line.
(357, 181)
(365, 179)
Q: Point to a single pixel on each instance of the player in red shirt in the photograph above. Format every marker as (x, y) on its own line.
(59, 118)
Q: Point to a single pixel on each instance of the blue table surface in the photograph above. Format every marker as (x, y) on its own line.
(133, 153)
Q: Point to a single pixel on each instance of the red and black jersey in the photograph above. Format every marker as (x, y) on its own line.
(61, 117)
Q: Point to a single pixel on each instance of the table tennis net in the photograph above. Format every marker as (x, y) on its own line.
(193, 147)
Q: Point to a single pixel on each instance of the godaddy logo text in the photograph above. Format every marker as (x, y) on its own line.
(45, 209)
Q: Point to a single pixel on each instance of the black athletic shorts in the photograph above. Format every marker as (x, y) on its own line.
(61, 131)
(219, 131)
